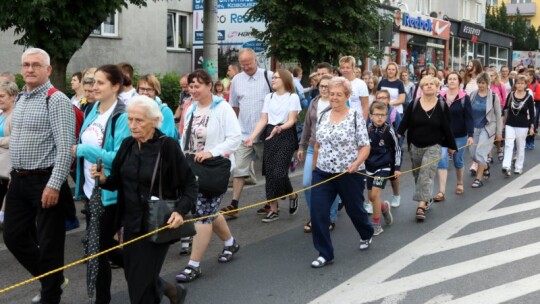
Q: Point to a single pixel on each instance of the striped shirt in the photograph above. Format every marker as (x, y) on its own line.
(42, 134)
(247, 93)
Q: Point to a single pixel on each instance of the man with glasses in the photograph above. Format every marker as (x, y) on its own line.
(43, 128)
(247, 92)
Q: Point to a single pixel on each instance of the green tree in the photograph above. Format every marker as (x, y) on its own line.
(310, 31)
(531, 39)
(58, 26)
(520, 31)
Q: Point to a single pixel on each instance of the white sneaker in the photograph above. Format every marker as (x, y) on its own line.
(368, 207)
(396, 201)
(364, 245)
(37, 298)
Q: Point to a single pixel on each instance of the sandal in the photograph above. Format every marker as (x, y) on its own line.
(420, 213)
(487, 174)
(230, 211)
(228, 252)
(307, 227)
(439, 197)
(459, 189)
(189, 274)
(320, 262)
(477, 183)
(331, 226)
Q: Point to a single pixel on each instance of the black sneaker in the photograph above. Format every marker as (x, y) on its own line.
(364, 244)
(293, 205)
(506, 172)
(270, 217)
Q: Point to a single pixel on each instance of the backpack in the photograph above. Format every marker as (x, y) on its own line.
(79, 115)
(388, 139)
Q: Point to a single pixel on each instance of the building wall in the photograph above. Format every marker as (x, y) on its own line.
(535, 19)
(141, 41)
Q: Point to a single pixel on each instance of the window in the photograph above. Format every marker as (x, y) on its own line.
(479, 14)
(423, 6)
(462, 52)
(520, 1)
(177, 31)
(109, 27)
(481, 52)
(466, 10)
(492, 3)
(498, 56)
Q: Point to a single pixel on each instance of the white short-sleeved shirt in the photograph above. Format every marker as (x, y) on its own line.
(344, 136)
(359, 89)
(93, 136)
(278, 107)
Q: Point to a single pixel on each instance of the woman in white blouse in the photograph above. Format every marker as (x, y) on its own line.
(344, 128)
(277, 128)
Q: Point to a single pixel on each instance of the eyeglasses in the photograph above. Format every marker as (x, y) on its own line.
(145, 90)
(323, 87)
(35, 66)
(379, 115)
(276, 77)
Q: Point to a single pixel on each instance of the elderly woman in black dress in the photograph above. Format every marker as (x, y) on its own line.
(131, 175)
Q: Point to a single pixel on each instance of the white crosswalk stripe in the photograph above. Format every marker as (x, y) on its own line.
(382, 282)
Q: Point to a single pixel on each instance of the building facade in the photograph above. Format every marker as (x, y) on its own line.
(154, 39)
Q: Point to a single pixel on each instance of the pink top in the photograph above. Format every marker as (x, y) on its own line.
(500, 90)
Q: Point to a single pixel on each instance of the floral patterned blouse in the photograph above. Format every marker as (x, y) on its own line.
(339, 143)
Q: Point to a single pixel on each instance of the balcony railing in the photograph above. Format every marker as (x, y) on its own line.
(525, 9)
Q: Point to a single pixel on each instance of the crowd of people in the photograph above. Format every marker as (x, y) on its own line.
(355, 132)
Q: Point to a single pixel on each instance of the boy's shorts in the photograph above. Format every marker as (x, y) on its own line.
(378, 178)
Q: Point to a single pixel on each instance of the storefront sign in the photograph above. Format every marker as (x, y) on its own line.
(470, 30)
(423, 25)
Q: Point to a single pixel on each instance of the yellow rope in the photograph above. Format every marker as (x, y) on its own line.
(198, 219)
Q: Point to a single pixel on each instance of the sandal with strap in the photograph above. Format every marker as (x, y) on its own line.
(477, 183)
(230, 211)
(307, 227)
(459, 189)
(320, 262)
(228, 252)
(487, 174)
(189, 274)
(420, 213)
(439, 197)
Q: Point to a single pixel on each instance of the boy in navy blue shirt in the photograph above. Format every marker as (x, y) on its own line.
(384, 161)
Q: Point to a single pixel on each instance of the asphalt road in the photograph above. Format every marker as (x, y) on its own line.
(481, 247)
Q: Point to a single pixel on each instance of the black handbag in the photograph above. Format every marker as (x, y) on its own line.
(159, 212)
(212, 174)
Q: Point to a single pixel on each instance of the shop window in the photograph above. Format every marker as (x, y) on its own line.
(177, 31)
(462, 51)
(481, 52)
(109, 27)
(498, 57)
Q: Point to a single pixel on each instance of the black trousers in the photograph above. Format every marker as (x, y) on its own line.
(106, 238)
(71, 211)
(142, 264)
(3, 190)
(35, 235)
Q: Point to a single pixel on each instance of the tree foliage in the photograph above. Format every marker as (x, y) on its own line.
(58, 26)
(314, 31)
(525, 36)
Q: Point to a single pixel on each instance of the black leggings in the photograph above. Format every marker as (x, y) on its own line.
(3, 190)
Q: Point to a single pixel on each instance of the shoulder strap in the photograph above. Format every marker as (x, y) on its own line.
(50, 93)
(266, 79)
(322, 114)
(158, 163)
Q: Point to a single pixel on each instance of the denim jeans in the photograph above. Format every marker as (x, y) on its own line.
(458, 156)
(306, 182)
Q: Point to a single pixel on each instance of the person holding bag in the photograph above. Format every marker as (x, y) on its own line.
(131, 175)
(8, 93)
(211, 134)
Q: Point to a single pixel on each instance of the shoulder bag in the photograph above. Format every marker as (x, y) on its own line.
(159, 212)
(213, 173)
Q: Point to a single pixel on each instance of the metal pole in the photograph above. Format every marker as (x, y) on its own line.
(210, 47)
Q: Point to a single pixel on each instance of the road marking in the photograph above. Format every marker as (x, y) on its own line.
(395, 298)
(440, 299)
(375, 281)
